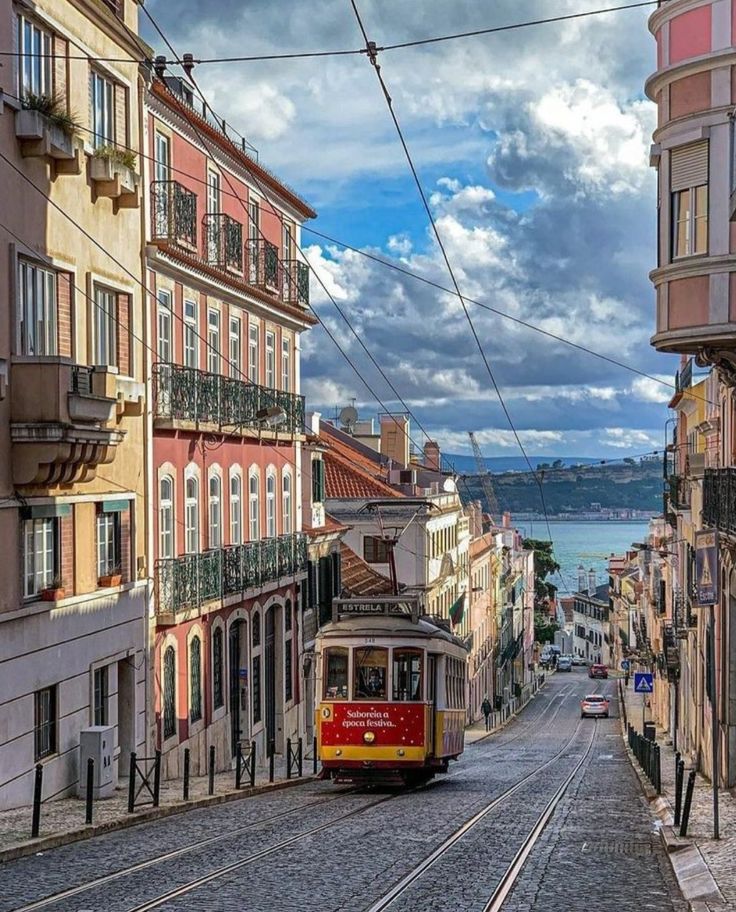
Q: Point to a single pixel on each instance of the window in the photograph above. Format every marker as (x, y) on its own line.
(35, 70)
(375, 550)
(191, 510)
(234, 350)
(213, 192)
(370, 673)
(336, 673)
(41, 554)
(191, 352)
(169, 693)
(407, 674)
(102, 110)
(253, 372)
(166, 517)
(689, 186)
(44, 723)
(288, 657)
(218, 698)
(105, 323)
(286, 504)
(254, 507)
(285, 366)
(108, 544)
(164, 327)
(213, 235)
(215, 512)
(287, 241)
(162, 157)
(37, 310)
(256, 689)
(101, 693)
(195, 679)
(270, 360)
(318, 481)
(256, 633)
(213, 341)
(271, 505)
(236, 516)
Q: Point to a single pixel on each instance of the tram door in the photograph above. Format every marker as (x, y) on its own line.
(432, 699)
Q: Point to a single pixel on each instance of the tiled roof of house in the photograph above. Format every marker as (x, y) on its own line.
(331, 527)
(351, 472)
(358, 577)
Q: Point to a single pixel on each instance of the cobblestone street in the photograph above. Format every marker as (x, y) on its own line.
(321, 847)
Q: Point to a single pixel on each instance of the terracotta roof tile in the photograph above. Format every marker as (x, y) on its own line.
(345, 479)
(358, 577)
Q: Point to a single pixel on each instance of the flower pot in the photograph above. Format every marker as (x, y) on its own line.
(107, 582)
(52, 595)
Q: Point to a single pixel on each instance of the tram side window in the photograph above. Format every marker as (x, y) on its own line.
(371, 672)
(407, 674)
(336, 674)
(455, 683)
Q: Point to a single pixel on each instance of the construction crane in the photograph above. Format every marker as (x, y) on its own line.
(485, 480)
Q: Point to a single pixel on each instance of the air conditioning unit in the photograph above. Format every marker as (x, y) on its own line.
(97, 742)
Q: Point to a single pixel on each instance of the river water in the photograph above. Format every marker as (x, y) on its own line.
(586, 543)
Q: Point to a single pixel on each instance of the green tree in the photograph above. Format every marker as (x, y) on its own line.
(544, 565)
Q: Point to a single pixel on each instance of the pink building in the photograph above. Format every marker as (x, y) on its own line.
(231, 300)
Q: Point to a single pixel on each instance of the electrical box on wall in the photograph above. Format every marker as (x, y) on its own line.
(97, 742)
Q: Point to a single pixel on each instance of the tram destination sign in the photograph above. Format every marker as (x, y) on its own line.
(386, 606)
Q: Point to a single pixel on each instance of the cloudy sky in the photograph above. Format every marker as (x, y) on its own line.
(532, 146)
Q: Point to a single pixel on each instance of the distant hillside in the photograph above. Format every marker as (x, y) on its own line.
(467, 465)
(614, 486)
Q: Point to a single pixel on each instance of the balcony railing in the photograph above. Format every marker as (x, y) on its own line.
(186, 394)
(189, 581)
(719, 499)
(295, 282)
(223, 241)
(263, 264)
(174, 214)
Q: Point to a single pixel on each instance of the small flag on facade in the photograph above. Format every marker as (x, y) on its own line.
(457, 610)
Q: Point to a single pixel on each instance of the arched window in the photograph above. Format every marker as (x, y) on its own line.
(288, 654)
(169, 693)
(256, 675)
(236, 517)
(166, 517)
(254, 507)
(286, 503)
(215, 512)
(256, 625)
(195, 679)
(191, 495)
(271, 505)
(218, 698)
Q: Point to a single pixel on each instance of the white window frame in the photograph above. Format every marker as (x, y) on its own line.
(108, 532)
(166, 516)
(164, 342)
(213, 340)
(102, 110)
(191, 513)
(271, 503)
(270, 359)
(41, 557)
(690, 221)
(235, 346)
(254, 505)
(287, 503)
(286, 364)
(236, 508)
(35, 61)
(162, 156)
(105, 341)
(253, 350)
(37, 310)
(214, 500)
(191, 348)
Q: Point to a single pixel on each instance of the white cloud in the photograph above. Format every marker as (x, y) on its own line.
(653, 389)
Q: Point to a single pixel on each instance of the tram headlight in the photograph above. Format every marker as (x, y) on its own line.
(338, 752)
(400, 752)
(369, 737)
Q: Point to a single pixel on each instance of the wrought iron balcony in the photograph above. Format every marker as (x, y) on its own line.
(186, 394)
(188, 582)
(295, 282)
(223, 242)
(174, 214)
(263, 265)
(678, 493)
(719, 499)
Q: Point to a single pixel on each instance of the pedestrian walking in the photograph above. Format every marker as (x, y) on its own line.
(486, 709)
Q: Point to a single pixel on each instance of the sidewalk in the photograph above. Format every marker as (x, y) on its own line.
(476, 731)
(62, 820)
(705, 868)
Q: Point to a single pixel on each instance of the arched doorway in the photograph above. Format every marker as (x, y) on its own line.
(238, 665)
(273, 678)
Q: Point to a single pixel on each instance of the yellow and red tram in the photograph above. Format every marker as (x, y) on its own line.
(391, 693)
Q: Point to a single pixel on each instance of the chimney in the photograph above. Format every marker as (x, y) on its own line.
(581, 578)
(506, 520)
(591, 582)
(395, 438)
(312, 422)
(432, 455)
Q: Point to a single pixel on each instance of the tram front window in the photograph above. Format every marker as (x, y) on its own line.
(336, 674)
(371, 667)
(407, 678)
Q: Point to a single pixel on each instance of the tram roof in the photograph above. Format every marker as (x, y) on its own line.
(392, 625)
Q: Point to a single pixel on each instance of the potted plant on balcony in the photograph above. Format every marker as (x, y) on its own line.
(113, 170)
(113, 578)
(54, 591)
(44, 119)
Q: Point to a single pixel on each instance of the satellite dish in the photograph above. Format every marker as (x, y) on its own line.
(348, 417)
(449, 486)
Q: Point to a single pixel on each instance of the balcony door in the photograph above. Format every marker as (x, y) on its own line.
(162, 170)
(273, 659)
(238, 684)
(215, 241)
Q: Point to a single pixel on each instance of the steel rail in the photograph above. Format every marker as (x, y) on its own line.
(526, 724)
(388, 898)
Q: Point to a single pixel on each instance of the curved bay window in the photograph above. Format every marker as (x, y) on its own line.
(407, 674)
(169, 693)
(370, 674)
(336, 673)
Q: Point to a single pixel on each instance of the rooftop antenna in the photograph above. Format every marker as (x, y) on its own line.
(348, 418)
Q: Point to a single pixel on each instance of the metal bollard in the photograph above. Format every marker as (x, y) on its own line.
(211, 784)
(314, 756)
(37, 789)
(288, 758)
(89, 794)
(657, 770)
(679, 783)
(252, 763)
(186, 774)
(300, 755)
(688, 803)
(156, 778)
(271, 756)
(131, 783)
(238, 764)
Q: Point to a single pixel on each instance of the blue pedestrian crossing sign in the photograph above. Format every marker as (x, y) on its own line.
(643, 682)
(625, 664)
